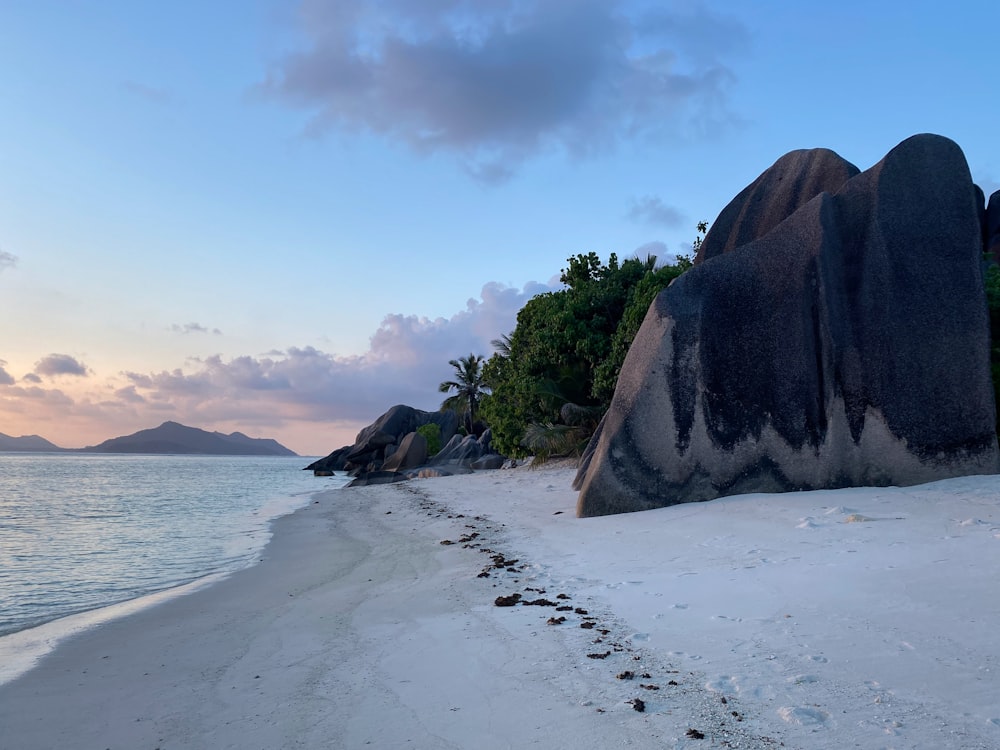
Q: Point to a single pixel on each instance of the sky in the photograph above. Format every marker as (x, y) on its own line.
(285, 217)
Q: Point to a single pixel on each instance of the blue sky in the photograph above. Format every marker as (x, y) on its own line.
(285, 217)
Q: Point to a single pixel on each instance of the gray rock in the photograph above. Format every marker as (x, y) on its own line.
(336, 461)
(488, 463)
(847, 346)
(787, 185)
(486, 441)
(991, 226)
(401, 420)
(444, 470)
(372, 447)
(459, 449)
(412, 452)
(981, 210)
(378, 477)
(372, 443)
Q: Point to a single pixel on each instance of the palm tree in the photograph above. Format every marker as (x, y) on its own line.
(502, 345)
(467, 386)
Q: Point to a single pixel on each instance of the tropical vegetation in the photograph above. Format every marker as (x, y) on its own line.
(553, 376)
(468, 387)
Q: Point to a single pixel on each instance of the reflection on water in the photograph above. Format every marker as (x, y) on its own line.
(81, 531)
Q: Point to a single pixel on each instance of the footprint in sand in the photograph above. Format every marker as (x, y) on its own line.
(802, 679)
(728, 619)
(723, 684)
(803, 715)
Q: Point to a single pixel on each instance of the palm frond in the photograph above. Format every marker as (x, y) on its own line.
(549, 440)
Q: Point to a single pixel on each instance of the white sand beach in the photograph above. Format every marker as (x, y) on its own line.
(861, 618)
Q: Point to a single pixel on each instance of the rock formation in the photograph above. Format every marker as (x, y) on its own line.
(464, 449)
(845, 343)
(412, 452)
(790, 183)
(991, 226)
(376, 440)
(390, 449)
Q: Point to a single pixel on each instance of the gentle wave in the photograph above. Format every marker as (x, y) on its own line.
(80, 532)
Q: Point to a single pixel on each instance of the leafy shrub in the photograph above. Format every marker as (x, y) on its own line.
(432, 434)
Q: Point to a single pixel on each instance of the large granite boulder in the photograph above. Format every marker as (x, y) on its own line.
(489, 462)
(790, 183)
(466, 451)
(401, 420)
(991, 226)
(411, 453)
(459, 449)
(369, 478)
(846, 346)
(383, 436)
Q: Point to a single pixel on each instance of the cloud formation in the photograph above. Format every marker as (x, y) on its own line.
(7, 260)
(406, 359)
(497, 81)
(5, 377)
(60, 364)
(650, 209)
(299, 394)
(194, 328)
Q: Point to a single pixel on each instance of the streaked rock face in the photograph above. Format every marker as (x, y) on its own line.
(991, 226)
(786, 186)
(844, 344)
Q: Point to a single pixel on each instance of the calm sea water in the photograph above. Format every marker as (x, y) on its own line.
(83, 531)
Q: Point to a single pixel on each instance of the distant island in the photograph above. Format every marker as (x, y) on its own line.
(27, 443)
(169, 437)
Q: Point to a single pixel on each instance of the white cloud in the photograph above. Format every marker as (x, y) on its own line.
(406, 359)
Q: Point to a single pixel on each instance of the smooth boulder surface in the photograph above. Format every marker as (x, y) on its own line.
(790, 183)
(411, 453)
(991, 225)
(848, 345)
(383, 437)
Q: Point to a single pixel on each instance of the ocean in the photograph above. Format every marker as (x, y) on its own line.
(81, 532)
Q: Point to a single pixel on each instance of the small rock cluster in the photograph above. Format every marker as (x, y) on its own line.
(391, 450)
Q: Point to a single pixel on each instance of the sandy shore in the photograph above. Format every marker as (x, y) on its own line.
(806, 619)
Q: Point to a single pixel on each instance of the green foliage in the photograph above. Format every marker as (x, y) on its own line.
(432, 434)
(468, 387)
(548, 440)
(641, 298)
(562, 352)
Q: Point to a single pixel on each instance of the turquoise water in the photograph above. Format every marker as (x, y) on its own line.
(82, 531)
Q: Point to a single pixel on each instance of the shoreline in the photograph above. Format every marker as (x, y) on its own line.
(90, 532)
(293, 650)
(751, 620)
(21, 649)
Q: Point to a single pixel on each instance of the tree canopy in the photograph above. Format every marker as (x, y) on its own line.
(468, 387)
(567, 349)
